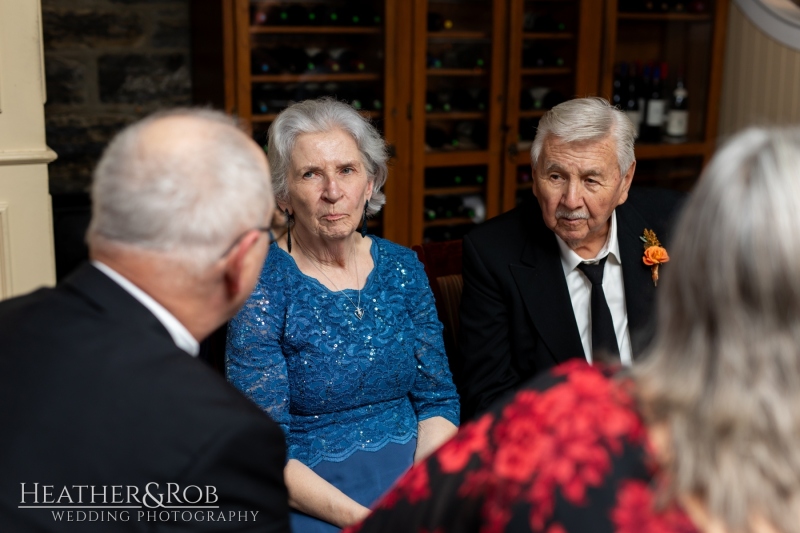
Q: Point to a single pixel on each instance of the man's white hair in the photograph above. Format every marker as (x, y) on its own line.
(188, 197)
(587, 119)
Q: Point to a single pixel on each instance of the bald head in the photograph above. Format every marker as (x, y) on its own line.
(185, 183)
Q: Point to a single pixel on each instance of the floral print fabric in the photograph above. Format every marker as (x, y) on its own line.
(566, 453)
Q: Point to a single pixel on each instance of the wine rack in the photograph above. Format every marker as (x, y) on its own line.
(687, 37)
(553, 55)
(457, 87)
(456, 114)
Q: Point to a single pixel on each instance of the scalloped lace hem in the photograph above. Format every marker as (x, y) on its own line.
(316, 459)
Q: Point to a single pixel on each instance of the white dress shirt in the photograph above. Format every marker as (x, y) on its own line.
(580, 292)
(180, 335)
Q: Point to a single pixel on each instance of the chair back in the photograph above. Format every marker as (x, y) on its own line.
(442, 261)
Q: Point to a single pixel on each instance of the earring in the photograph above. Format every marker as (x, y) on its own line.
(288, 230)
(364, 220)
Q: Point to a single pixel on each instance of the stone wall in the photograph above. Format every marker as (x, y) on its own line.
(108, 63)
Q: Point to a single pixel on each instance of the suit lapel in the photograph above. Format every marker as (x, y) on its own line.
(639, 289)
(106, 296)
(540, 280)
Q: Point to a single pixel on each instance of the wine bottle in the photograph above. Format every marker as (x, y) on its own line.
(644, 91)
(438, 22)
(463, 100)
(446, 233)
(617, 84)
(259, 14)
(527, 128)
(654, 109)
(436, 137)
(471, 57)
(545, 23)
(317, 15)
(470, 134)
(678, 115)
(698, 6)
(444, 206)
(292, 15)
(321, 61)
(268, 99)
(265, 62)
(434, 61)
(473, 208)
(526, 101)
(349, 61)
(631, 104)
(292, 60)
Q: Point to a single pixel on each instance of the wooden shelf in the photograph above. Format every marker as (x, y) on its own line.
(546, 71)
(665, 150)
(288, 78)
(456, 115)
(320, 30)
(526, 186)
(532, 113)
(669, 17)
(457, 72)
(448, 191)
(268, 117)
(453, 158)
(448, 222)
(458, 35)
(547, 36)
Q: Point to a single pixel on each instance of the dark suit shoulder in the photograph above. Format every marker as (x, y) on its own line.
(508, 231)
(655, 202)
(657, 208)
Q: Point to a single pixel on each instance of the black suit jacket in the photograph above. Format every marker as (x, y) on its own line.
(93, 391)
(516, 313)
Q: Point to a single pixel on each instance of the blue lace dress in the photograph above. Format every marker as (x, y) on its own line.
(348, 393)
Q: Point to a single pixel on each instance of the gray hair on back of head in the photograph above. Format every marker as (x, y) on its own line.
(587, 119)
(319, 116)
(188, 198)
(724, 370)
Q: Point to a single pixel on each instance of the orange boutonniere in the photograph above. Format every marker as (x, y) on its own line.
(654, 253)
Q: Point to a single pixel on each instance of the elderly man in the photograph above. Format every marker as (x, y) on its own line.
(562, 277)
(109, 423)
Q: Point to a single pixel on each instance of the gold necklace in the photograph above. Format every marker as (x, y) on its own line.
(359, 312)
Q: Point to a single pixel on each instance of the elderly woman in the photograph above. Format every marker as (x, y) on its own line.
(715, 406)
(340, 341)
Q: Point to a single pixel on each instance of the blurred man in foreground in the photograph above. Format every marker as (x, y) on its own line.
(109, 423)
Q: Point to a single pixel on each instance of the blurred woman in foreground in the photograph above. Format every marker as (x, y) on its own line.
(707, 424)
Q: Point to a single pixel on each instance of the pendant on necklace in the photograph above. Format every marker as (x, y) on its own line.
(359, 313)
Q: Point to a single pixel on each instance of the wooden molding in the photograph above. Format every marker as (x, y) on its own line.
(5, 253)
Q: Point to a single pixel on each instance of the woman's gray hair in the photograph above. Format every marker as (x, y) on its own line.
(185, 198)
(724, 370)
(320, 116)
(587, 119)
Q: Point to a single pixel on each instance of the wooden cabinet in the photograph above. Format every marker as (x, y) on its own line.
(688, 37)
(456, 116)
(457, 86)
(553, 55)
(276, 52)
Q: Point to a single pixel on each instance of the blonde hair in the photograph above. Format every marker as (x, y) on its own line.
(723, 372)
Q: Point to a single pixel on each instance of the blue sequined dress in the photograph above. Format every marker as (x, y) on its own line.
(348, 393)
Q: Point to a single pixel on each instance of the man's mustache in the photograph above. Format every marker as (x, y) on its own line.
(578, 214)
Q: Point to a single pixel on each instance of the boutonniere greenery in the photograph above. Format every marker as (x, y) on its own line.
(654, 253)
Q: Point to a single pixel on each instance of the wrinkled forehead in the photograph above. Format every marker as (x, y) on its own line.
(597, 150)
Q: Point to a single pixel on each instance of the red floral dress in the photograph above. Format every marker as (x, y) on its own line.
(566, 453)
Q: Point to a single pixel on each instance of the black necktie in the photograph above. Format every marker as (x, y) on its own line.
(603, 337)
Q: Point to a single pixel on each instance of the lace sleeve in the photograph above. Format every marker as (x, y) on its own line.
(254, 361)
(433, 393)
